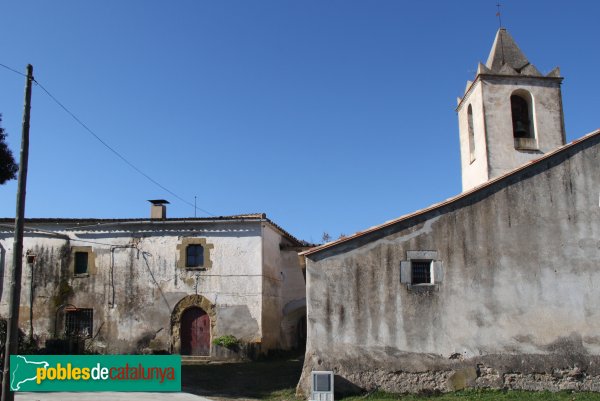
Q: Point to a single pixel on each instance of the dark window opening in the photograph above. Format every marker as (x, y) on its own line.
(79, 323)
(81, 262)
(421, 271)
(521, 118)
(471, 133)
(194, 256)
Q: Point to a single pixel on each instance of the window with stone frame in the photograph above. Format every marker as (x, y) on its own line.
(421, 269)
(83, 261)
(194, 253)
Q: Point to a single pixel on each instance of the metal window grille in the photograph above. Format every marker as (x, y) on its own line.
(79, 323)
(194, 256)
(81, 262)
(421, 271)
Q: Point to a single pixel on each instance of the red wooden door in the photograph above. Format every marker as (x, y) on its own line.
(195, 332)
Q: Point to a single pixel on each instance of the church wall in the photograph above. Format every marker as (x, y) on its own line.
(514, 305)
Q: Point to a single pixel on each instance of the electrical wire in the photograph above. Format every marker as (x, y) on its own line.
(13, 70)
(119, 155)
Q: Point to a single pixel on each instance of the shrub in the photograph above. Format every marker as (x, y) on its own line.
(227, 341)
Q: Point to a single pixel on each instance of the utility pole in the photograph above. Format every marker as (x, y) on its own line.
(14, 294)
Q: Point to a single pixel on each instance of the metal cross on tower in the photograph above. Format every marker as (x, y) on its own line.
(498, 14)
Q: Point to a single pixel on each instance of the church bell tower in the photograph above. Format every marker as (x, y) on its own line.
(510, 114)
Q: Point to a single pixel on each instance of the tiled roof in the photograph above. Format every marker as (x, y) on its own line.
(456, 198)
(90, 222)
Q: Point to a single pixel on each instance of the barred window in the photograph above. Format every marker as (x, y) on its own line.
(421, 271)
(79, 323)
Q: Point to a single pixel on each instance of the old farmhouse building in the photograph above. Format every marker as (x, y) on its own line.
(496, 287)
(160, 284)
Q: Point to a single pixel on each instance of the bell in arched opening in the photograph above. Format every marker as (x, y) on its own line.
(520, 117)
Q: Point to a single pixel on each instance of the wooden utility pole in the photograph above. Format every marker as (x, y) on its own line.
(14, 294)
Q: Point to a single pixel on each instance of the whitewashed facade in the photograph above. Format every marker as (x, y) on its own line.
(138, 278)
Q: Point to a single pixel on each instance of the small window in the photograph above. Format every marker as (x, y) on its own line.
(471, 133)
(79, 323)
(194, 255)
(81, 262)
(421, 272)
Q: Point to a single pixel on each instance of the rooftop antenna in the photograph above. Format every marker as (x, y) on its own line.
(499, 15)
(195, 206)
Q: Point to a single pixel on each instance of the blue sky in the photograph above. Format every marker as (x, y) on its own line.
(327, 115)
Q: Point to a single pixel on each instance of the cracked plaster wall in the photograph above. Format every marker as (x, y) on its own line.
(146, 282)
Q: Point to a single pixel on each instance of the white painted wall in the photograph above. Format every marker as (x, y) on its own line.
(284, 290)
(492, 118)
(147, 282)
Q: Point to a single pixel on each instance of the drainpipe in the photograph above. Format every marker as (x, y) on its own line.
(31, 263)
(111, 303)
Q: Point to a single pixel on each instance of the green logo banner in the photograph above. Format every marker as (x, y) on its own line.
(95, 372)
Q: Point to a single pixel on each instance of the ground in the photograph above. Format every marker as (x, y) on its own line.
(276, 380)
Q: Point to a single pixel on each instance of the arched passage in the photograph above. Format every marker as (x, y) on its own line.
(293, 325)
(192, 320)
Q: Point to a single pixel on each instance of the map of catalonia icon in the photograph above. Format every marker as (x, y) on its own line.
(23, 371)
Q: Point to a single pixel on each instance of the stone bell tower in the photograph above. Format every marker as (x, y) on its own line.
(510, 114)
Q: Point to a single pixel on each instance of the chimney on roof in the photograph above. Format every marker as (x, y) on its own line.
(158, 210)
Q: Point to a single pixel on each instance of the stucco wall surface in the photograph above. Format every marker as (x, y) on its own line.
(284, 291)
(517, 305)
(547, 120)
(474, 172)
(137, 284)
(495, 152)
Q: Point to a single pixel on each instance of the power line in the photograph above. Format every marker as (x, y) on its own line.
(120, 156)
(13, 70)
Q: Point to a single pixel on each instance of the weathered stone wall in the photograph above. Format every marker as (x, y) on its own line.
(137, 287)
(516, 307)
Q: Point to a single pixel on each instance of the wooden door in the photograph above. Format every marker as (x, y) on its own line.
(195, 332)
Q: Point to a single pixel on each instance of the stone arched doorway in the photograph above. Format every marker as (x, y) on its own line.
(192, 322)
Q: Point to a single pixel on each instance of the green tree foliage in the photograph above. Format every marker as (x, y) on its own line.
(8, 166)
